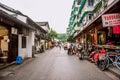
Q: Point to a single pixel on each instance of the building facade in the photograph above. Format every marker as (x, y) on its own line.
(18, 34)
(46, 40)
(88, 28)
(15, 36)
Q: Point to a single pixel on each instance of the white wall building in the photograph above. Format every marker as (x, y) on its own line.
(26, 35)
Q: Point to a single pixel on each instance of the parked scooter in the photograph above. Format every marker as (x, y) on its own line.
(99, 58)
(90, 50)
(93, 51)
(91, 56)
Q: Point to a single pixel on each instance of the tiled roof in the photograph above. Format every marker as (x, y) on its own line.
(43, 24)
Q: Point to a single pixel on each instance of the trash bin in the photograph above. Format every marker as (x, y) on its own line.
(19, 60)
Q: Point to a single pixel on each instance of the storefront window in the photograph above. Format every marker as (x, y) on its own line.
(90, 16)
(90, 2)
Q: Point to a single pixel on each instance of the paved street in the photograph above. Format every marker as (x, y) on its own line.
(55, 64)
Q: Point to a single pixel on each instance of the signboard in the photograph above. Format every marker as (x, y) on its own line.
(111, 20)
(14, 30)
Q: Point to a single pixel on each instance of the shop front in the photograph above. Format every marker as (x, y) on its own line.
(8, 42)
(4, 42)
(11, 31)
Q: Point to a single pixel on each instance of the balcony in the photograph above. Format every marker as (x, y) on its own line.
(89, 8)
(75, 34)
(96, 2)
(76, 5)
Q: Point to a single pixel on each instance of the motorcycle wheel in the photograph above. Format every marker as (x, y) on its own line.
(102, 64)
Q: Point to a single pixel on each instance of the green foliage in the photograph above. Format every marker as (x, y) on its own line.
(53, 34)
(62, 37)
(70, 39)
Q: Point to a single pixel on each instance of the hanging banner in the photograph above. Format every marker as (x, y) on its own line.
(111, 19)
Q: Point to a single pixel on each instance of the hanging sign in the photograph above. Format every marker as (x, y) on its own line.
(111, 19)
(14, 30)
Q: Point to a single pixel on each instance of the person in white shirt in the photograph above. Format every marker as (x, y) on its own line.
(69, 47)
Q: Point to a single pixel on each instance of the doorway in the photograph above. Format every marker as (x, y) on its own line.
(13, 53)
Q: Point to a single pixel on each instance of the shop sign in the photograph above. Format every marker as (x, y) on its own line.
(111, 20)
(14, 30)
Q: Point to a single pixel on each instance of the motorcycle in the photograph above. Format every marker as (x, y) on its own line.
(92, 52)
(91, 56)
(99, 59)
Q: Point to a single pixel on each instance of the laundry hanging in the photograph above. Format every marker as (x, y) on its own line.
(116, 29)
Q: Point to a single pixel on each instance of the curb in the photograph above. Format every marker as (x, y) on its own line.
(7, 65)
(25, 61)
(115, 72)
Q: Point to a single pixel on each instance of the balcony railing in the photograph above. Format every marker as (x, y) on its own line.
(96, 2)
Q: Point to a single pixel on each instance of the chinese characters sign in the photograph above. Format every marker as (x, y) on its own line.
(111, 20)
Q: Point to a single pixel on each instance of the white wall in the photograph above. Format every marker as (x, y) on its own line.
(33, 38)
(26, 52)
(21, 51)
(29, 45)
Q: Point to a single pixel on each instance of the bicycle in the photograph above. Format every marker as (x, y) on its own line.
(112, 59)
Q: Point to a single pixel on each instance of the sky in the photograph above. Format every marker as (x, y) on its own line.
(56, 12)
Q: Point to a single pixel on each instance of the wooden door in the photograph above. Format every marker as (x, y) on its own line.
(13, 48)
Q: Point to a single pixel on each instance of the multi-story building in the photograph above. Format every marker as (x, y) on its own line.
(73, 23)
(89, 27)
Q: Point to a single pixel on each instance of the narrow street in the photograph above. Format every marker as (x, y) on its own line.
(55, 64)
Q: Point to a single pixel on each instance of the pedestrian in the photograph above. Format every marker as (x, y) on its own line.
(68, 47)
(60, 46)
(80, 48)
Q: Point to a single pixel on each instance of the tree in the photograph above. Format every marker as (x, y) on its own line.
(53, 34)
(62, 37)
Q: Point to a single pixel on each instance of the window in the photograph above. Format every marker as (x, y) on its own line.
(23, 42)
(90, 2)
(90, 16)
